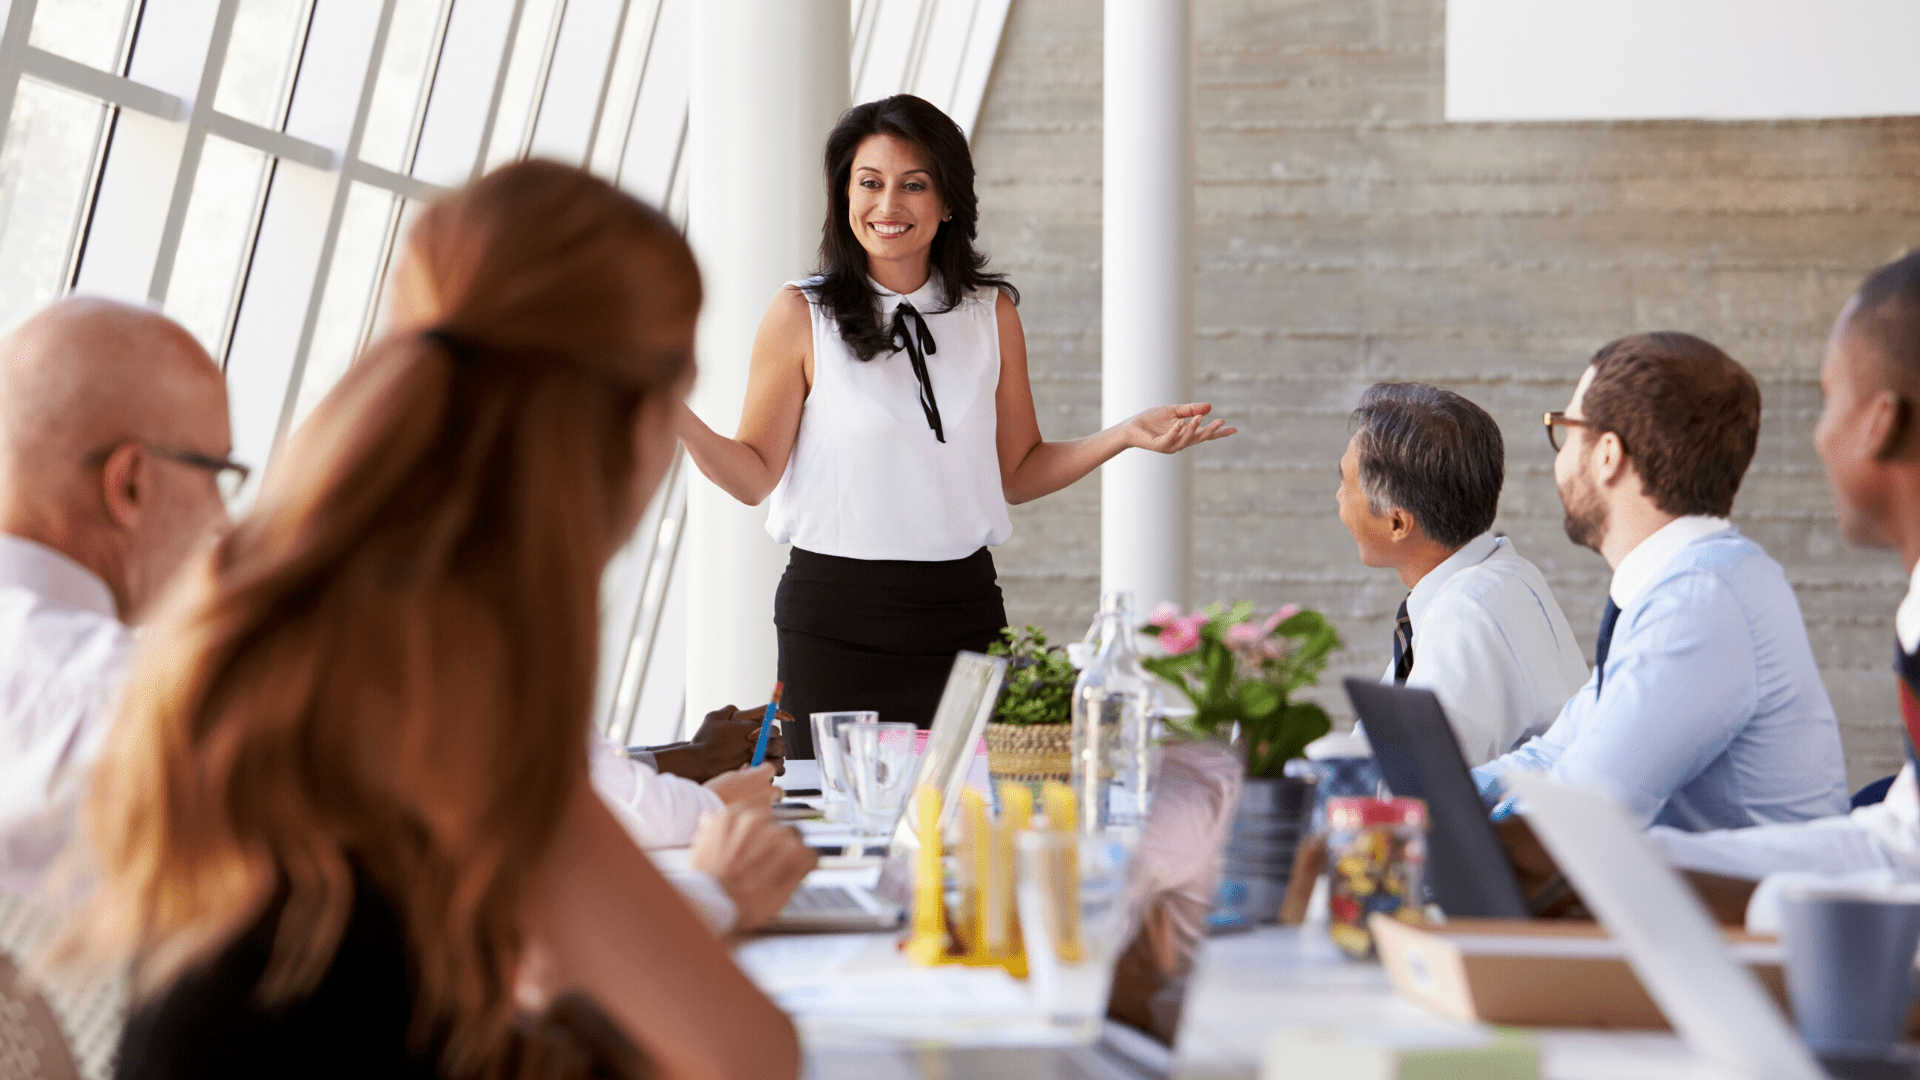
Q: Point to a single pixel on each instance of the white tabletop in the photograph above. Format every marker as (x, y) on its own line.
(863, 1011)
(1247, 986)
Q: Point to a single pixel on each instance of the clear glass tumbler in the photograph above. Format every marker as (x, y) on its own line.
(879, 764)
(1071, 892)
(837, 799)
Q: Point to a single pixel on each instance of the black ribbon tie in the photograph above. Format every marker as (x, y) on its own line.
(910, 333)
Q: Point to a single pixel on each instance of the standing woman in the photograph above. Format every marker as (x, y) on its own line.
(890, 416)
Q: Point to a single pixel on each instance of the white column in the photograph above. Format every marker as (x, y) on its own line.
(768, 82)
(1146, 302)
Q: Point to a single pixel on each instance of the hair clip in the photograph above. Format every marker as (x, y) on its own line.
(464, 353)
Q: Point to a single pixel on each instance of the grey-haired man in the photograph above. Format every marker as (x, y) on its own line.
(1419, 488)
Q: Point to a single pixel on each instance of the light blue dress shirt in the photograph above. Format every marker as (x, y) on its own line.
(1713, 715)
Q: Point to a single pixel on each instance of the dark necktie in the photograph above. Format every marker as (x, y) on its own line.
(1608, 617)
(1402, 645)
(910, 333)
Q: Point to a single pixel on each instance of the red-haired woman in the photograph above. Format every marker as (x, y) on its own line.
(343, 824)
(890, 417)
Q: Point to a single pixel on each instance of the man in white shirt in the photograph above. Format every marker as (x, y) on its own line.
(1869, 439)
(113, 439)
(1419, 487)
(113, 454)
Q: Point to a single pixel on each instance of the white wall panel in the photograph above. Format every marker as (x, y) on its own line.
(1679, 59)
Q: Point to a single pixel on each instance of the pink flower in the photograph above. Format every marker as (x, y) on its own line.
(1182, 635)
(1244, 636)
(1164, 614)
(1281, 616)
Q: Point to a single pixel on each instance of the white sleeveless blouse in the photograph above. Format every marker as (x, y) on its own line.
(867, 478)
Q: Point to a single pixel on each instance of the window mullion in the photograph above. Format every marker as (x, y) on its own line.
(499, 89)
(335, 215)
(13, 48)
(197, 127)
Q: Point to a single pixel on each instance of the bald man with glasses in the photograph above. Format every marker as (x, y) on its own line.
(114, 468)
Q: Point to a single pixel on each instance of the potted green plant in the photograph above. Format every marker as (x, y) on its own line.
(1241, 678)
(1028, 738)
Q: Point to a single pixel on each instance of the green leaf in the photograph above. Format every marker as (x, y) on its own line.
(1259, 700)
(1039, 683)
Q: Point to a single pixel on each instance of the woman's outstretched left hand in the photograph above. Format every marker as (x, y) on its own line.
(1170, 429)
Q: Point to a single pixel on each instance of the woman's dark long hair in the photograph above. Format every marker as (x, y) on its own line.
(844, 290)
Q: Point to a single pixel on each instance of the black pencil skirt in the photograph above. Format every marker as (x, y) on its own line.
(880, 635)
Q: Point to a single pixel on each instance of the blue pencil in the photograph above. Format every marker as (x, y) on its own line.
(766, 725)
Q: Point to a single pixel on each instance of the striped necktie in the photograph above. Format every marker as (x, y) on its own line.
(1402, 645)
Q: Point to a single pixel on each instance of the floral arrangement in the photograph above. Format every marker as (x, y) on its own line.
(1237, 671)
(1039, 684)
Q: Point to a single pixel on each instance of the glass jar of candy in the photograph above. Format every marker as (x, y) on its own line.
(1376, 863)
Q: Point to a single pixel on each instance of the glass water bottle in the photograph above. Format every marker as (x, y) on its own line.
(1114, 708)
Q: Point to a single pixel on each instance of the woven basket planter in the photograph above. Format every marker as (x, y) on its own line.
(1030, 753)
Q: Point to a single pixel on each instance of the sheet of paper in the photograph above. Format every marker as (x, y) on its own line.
(800, 775)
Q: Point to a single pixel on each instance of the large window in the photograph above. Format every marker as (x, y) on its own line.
(249, 167)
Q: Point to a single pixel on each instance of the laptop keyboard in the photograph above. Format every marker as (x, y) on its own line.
(823, 900)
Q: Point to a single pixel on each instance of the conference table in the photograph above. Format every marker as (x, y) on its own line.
(865, 1013)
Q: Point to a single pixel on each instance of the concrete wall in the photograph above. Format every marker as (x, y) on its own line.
(1347, 234)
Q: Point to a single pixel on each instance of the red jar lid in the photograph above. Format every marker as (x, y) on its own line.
(1350, 813)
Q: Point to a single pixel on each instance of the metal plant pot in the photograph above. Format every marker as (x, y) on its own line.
(1268, 827)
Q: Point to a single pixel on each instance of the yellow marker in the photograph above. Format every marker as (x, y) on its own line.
(1063, 809)
(928, 945)
(976, 871)
(1016, 814)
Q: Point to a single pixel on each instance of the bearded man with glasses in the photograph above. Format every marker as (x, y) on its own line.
(1705, 709)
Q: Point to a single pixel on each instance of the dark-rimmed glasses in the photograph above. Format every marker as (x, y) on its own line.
(1557, 420)
(229, 475)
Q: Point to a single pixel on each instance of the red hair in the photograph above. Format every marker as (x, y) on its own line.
(389, 663)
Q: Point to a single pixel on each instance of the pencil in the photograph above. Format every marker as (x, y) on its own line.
(766, 725)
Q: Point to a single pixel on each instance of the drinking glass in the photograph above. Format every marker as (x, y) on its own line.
(834, 795)
(1071, 892)
(879, 764)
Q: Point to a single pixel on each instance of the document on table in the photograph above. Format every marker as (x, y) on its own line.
(856, 989)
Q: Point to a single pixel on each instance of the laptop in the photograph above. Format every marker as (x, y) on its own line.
(1419, 757)
(1714, 1003)
(973, 686)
